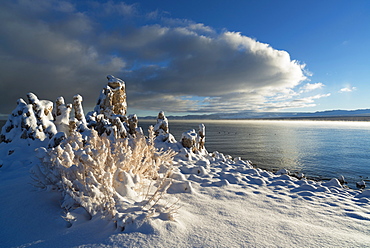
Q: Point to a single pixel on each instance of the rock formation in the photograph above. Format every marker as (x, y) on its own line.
(109, 115)
(62, 113)
(112, 99)
(43, 120)
(193, 140)
(33, 120)
(161, 128)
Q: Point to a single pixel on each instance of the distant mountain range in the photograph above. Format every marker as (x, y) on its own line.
(351, 115)
(360, 114)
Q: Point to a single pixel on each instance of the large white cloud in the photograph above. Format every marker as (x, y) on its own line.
(54, 48)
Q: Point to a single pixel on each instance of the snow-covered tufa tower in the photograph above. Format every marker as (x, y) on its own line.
(112, 99)
(41, 119)
(109, 115)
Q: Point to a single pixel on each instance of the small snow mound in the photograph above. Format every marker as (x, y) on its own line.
(178, 176)
(221, 183)
(333, 183)
(284, 177)
(267, 174)
(252, 172)
(204, 163)
(180, 187)
(305, 187)
(257, 181)
(282, 172)
(199, 170)
(230, 177)
(242, 164)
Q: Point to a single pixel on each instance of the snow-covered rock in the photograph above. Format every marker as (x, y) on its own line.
(62, 113)
(201, 136)
(161, 127)
(283, 172)
(342, 180)
(193, 140)
(109, 115)
(29, 121)
(133, 121)
(361, 184)
(112, 99)
(300, 175)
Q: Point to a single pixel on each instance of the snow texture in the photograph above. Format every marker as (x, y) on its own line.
(101, 183)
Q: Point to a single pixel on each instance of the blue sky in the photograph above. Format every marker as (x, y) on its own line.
(189, 57)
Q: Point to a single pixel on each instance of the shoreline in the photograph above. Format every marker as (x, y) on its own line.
(334, 119)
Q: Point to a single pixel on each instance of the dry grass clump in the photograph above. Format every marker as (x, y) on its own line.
(113, 178)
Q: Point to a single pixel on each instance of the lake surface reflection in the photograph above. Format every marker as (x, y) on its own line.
(319, 149)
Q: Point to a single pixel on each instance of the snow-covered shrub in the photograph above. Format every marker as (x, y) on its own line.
(112, 178)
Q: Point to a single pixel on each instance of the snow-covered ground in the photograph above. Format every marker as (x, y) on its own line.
(205, 199)
(228, 204)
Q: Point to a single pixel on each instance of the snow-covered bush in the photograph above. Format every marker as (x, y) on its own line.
(111, 178)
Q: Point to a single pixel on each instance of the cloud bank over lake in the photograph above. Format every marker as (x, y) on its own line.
(51, 47)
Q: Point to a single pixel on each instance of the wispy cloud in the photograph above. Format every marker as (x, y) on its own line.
(56, 48)
(310, 87)
(347, 89)
(302, 102)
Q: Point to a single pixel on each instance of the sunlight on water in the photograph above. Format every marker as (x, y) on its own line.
(320, 149)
